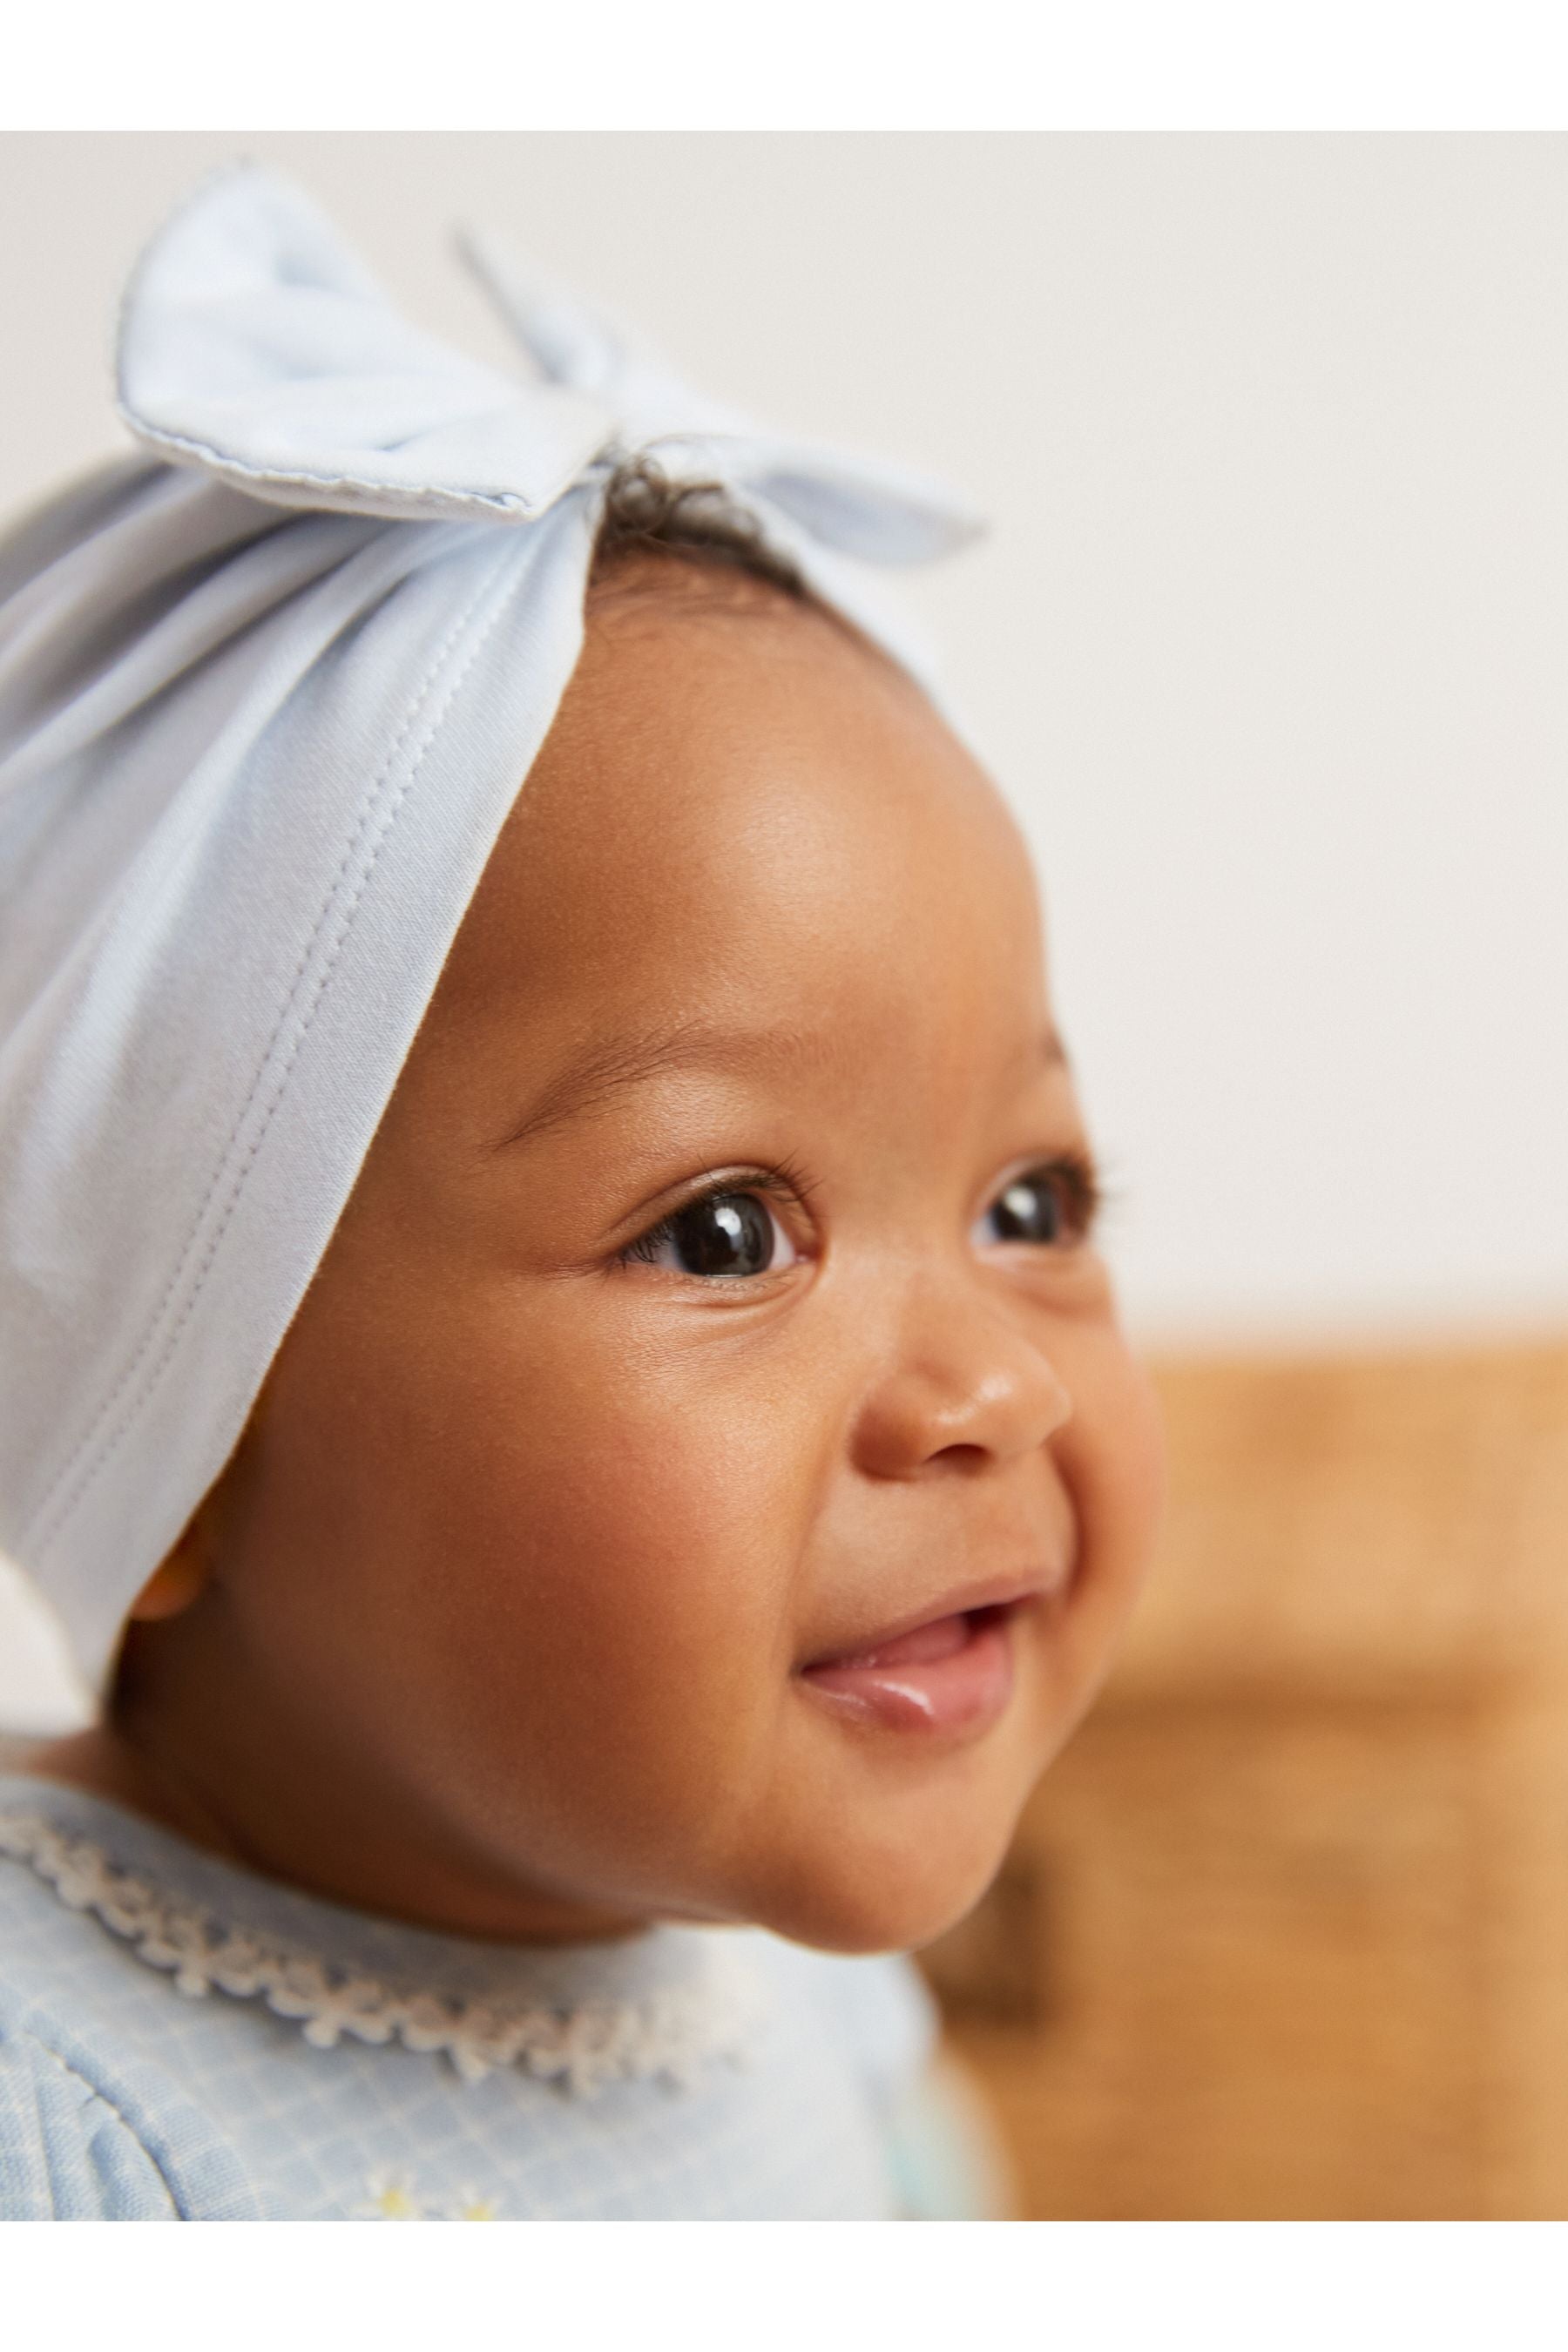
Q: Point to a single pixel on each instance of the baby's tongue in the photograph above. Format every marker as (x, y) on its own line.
(939, 1639)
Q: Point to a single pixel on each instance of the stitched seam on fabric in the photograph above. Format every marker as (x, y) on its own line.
(80, 1474)
(104, 2100)
(70, 1501)
(499, 503)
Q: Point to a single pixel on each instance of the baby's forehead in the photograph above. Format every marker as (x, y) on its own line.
(728, 772)
(743, 825)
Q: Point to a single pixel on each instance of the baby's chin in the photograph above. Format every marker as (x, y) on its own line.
(860, 1901)
(867, 1865)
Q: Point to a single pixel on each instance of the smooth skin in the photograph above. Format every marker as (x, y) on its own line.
(496, 1620)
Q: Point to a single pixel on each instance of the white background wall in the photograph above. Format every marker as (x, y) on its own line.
(1266, 645)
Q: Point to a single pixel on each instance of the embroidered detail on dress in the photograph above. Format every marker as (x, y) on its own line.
(668, 2031)
(393, 2198)
(389, 2197)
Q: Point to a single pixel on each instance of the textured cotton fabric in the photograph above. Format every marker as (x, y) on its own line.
(267, 693)
(123, 2099)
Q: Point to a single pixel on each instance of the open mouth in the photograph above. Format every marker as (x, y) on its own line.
(953, 1673)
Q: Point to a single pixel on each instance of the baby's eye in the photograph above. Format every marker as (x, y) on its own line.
(1051, 1205)
(723, 1236)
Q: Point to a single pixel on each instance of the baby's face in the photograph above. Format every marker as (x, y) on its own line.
(706, 1477)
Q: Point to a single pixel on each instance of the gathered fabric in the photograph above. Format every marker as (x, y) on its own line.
(268, 689)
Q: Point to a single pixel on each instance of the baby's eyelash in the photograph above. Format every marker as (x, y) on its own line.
(786, 1180)
(1073, 1183)
(1085, 1187)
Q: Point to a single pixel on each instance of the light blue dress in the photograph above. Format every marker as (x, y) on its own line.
(182, 2040)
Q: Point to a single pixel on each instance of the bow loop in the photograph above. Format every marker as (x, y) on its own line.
(587, 352)
(252, 344)
(858, 505)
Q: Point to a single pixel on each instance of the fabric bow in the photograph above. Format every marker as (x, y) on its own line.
(252, 344)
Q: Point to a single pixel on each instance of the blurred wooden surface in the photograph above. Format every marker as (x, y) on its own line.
(1285, 1932)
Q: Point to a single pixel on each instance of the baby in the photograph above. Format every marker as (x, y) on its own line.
(558, 1374)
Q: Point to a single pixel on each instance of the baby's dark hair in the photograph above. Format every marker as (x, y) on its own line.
(697, 523)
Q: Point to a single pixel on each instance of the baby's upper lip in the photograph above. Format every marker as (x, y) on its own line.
(998, 1592)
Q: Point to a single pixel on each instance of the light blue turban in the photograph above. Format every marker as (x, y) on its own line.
(267, 694)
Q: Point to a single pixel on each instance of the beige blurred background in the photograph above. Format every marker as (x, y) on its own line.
(1266, 646)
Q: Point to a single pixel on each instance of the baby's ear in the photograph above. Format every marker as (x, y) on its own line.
(178, 1580)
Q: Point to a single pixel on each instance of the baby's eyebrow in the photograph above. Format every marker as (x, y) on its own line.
(630, 1061)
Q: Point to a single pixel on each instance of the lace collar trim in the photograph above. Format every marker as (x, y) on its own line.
(670, 2032)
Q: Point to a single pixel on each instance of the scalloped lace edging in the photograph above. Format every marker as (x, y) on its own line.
(670, 2032)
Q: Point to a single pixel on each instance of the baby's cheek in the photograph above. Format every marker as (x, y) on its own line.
(579, 1526)
(1112, 1457)
(643, 1544)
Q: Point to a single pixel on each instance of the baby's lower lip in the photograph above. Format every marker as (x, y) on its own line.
(953, 1675)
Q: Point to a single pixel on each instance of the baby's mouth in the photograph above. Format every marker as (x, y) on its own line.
(951, 1674)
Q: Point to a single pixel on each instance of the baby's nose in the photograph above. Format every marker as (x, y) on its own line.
(967, 1388)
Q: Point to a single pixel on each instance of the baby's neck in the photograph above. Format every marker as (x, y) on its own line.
(104, 1763)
